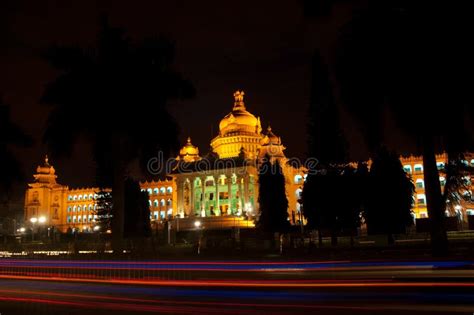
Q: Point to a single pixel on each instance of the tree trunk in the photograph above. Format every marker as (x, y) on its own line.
(118, 199)
(439, 239)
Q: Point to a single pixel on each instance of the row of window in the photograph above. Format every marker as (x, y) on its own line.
(79, 208)
(160, 214)
(83, 219)
(160, 203)
(419, 167)
(82, 197)
(157, 191)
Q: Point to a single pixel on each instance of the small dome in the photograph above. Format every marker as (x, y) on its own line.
(189, 152)
(271, 138)
(239, 119)
(46, 168)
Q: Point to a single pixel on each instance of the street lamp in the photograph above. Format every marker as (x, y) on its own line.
(42, 219)
(197, 224)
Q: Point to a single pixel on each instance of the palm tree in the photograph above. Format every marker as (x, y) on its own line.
(116, 96)
(10, 135)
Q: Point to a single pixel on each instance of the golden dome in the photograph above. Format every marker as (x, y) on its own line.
(189, 152)
(239, 119)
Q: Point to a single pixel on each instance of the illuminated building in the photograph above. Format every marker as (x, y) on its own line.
(225, 184)
(76, 209)
(220, 188)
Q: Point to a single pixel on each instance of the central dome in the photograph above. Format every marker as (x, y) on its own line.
(239, 119)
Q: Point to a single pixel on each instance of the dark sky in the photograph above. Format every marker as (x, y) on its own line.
(262, 47)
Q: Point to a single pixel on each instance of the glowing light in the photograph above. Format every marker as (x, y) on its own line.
(42, 220)
(197, 224)
(96, 228)
(34, 220)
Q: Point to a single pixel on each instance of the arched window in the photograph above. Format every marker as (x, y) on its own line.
(162, 202)
(79, 208)
(169, 190)
(162, 190)
(442, 181)
(69, 209)
(298, 179)
(298, 193)
(74, 209)
(74, 219)
(407, 168)
(150, 192)
(149, 203)
(155, 191)
(91, 196)
(440, 165)
(74, 198)
(418, 168)
(90, 207)
(421, 199)
(79, 197)
(155, 203)
(85, 197)
(69, 197)
(168, 202)
(420, 183)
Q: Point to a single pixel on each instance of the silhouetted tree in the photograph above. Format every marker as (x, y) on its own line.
(104, 210)
(116, 96)
(457, 188)
(11, 135)
(137, 211)
(326, 143)
(388, 67)
(273, 217)
(388, 208)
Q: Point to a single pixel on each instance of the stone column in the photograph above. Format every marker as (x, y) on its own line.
(216, 198)
(203, 196)
(229, 194)
(180, 195)
(191, 200)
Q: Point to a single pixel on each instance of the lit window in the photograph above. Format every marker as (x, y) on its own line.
(421, 199)
(169, 190)
(420, 183)
(68, 219)
(155, 191)
(162, 202)
(155, 215)
(69, 209)
(162, 190)
(69, 197)
(74, 219)
(472, 162)
(79, 197)
(150, 192)
(91, 196)
(74, 209)
(440, 165)
(79, 209)
(168, 202)
(442, 180)
(418, 168)
(298, 179)
(74, 198)
(155, 203)
(85, 196)
(407, 168)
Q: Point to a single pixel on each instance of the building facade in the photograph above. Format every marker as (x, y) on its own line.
(217, 187)
(55, 205)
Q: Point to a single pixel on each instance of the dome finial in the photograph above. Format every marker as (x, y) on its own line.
(269, 128)
(239, 100)
(188, 141)
(46, 160)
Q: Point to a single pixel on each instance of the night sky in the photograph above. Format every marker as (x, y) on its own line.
(262, 47)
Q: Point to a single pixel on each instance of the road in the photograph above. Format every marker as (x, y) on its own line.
(216, 287)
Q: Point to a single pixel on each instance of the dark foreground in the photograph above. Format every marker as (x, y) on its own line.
(117, 287)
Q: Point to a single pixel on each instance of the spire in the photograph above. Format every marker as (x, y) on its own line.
(188, 142)
(46, 160)
(239, 100)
